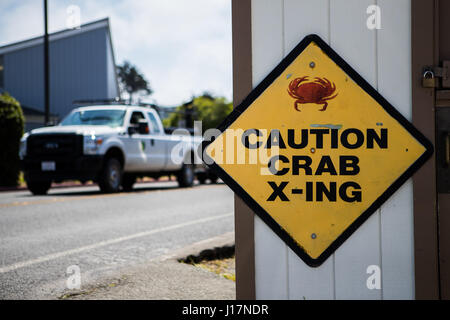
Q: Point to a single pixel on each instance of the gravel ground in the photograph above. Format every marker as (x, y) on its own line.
(223, 267)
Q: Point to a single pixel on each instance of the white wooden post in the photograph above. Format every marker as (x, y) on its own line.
(383, 58)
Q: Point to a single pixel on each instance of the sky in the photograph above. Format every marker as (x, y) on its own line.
(182, 47)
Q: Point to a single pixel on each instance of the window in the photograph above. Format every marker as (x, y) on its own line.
(136, 116)
(2, 72)
(154, 122)
(112, 118)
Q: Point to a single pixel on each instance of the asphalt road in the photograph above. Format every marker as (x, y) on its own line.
(41, 237)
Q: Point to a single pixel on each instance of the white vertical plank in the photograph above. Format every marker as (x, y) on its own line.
(353, 258)
(351, 38)
(397, 230)
(303, 17)
(306, 283)
(267, 37)
(271, 275)
(270, 264)
(397, 220)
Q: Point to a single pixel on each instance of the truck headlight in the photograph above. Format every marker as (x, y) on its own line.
(91, 144)
(23, 147)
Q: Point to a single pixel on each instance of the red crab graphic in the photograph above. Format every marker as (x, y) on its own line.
(318, 91)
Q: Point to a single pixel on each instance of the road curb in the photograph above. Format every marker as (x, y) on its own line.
(208, 249)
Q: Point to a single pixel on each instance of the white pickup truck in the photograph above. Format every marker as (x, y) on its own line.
(111, 145)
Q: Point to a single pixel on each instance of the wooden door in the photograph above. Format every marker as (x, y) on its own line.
(443, 144)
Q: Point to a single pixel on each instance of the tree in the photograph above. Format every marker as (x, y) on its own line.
(206, 108)
(11, 130)
(132, 81)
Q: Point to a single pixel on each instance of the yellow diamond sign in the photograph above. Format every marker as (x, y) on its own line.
(314, 150)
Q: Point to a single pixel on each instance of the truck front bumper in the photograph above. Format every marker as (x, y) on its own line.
(85, 167)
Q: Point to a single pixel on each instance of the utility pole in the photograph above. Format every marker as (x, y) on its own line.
(46, 67)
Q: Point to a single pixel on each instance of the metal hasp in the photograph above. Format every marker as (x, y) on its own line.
(429, 80)
(432, 74)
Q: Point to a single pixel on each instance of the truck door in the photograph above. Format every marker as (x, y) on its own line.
(157, 146)
(136, 144)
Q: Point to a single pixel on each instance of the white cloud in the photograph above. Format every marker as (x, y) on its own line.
(182, 47)
(20, 20)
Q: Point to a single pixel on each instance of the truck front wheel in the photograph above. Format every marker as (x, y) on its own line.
(110, 176)
(39, 188)
(186, 176)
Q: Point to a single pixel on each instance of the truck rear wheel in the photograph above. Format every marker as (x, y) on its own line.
(186, 176)
(201, 177)
(39, 188)
(111, 176)
(213, 178)
(128, 180)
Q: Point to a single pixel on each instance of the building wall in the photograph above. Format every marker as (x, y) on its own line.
(112, 90)
(383, 58)
(24, 76)
(78, 71)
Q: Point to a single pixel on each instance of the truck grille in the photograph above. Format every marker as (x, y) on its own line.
(55, 145)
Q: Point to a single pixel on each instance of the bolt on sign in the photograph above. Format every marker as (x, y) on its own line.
(314, 150)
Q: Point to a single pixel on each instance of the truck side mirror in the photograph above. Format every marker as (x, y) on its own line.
(143, 127)
(131, 130)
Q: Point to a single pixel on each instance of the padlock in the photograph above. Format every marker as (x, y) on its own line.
(429, 80)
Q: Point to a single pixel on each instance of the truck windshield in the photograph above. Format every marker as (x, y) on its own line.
(112, 118)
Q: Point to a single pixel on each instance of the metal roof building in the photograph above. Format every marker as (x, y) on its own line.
(82, 67)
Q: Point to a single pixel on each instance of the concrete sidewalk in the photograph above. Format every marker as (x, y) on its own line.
(163, 278)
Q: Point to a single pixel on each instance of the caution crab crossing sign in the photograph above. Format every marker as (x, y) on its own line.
(314, 150)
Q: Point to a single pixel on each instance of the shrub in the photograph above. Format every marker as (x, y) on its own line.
(206, 108)
(11, 131)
